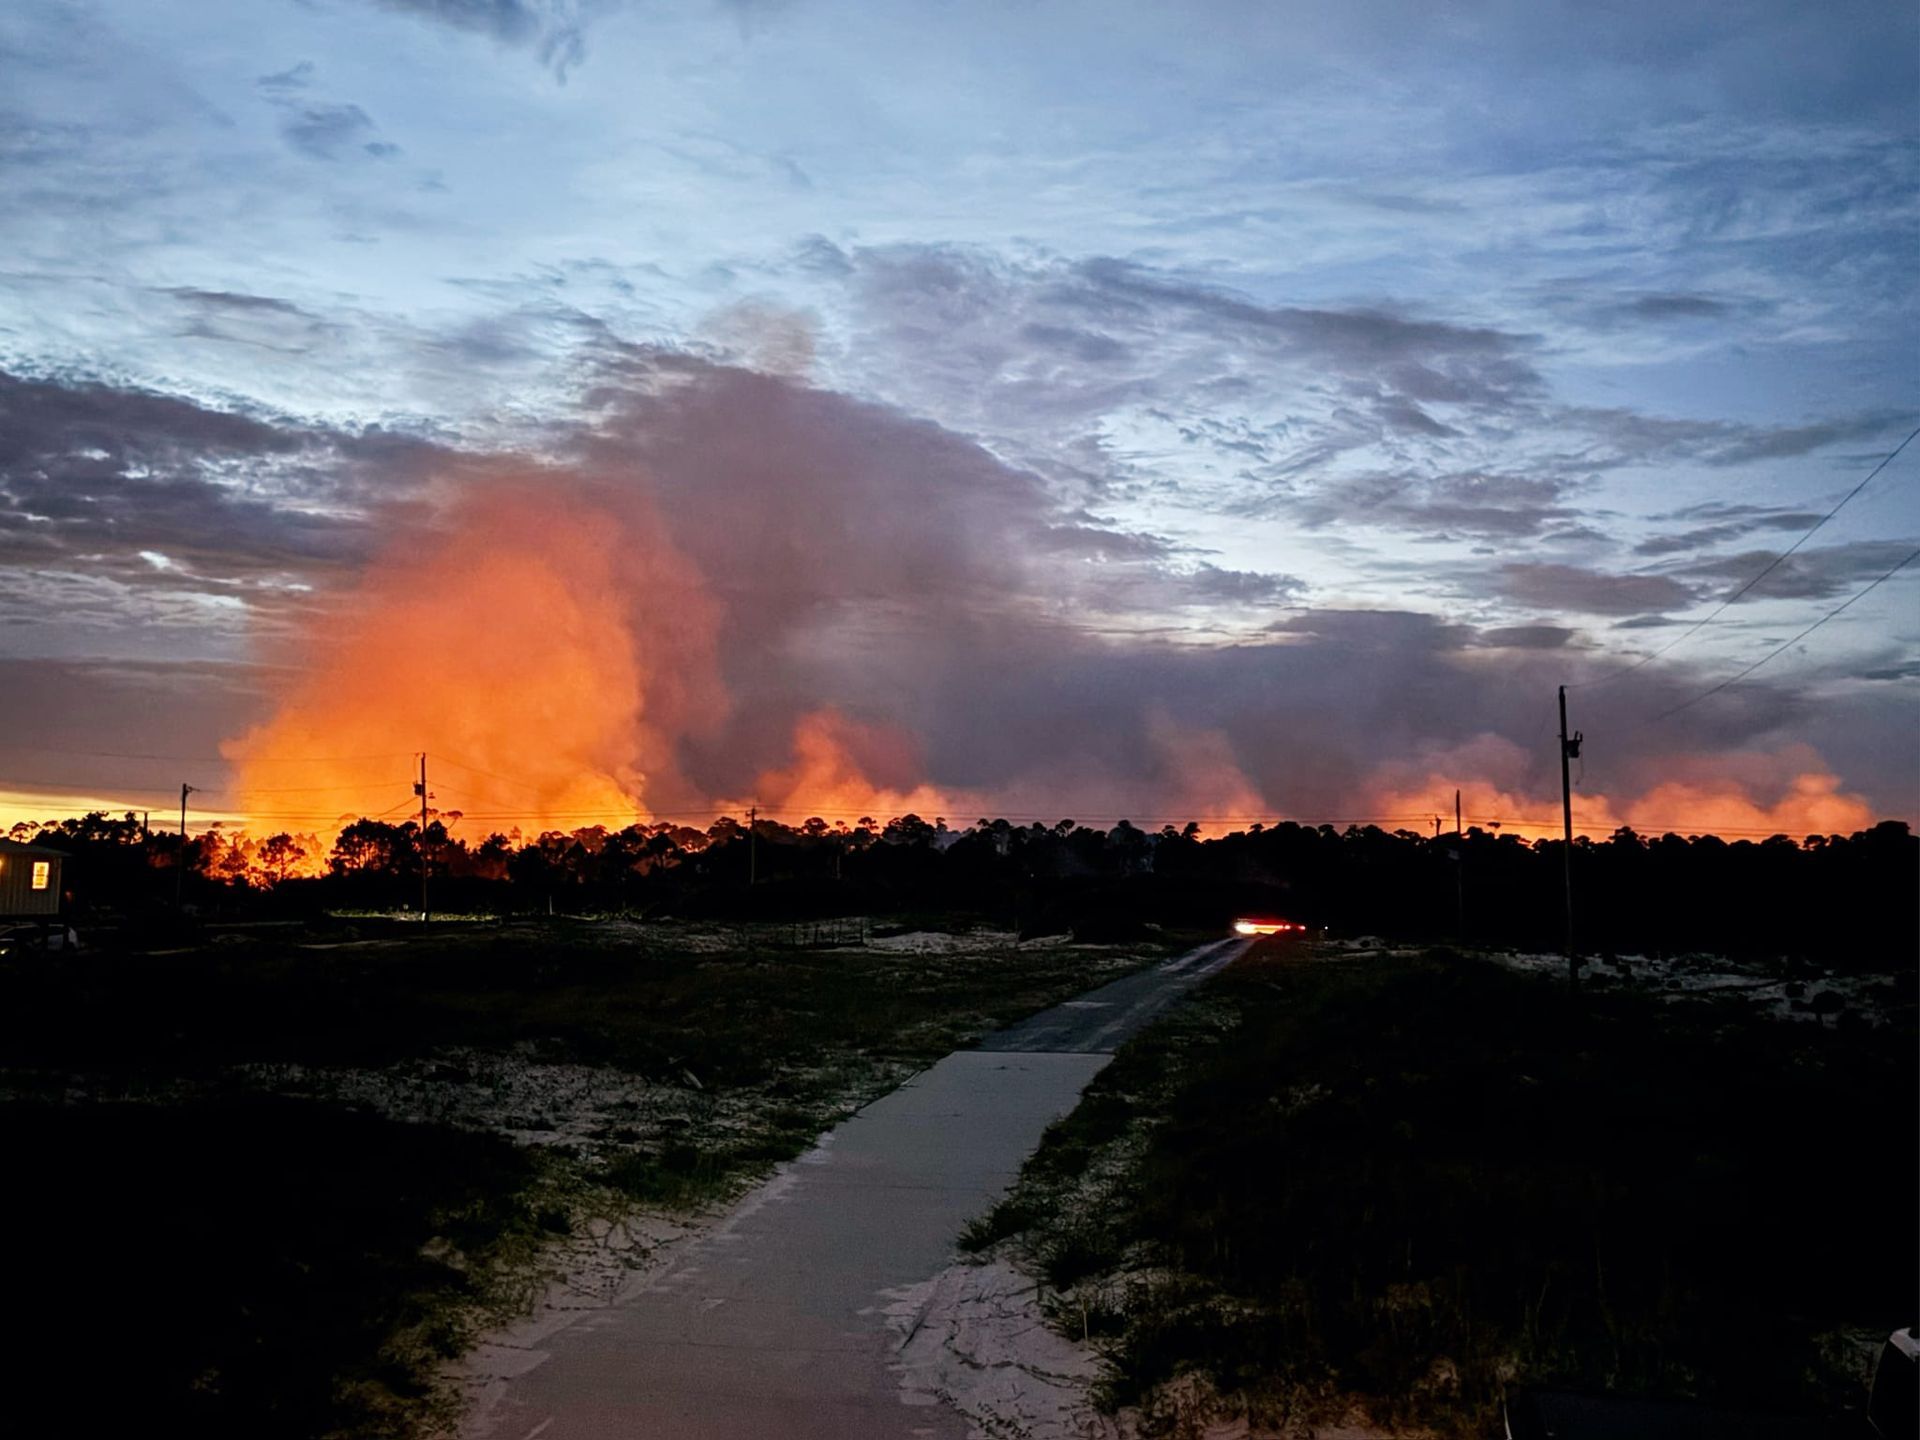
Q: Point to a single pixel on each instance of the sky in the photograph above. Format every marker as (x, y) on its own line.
(1214, 411)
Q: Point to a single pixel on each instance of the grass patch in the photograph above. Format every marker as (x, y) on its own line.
(274, 1267)
(248, 1267)
(1418, 1181)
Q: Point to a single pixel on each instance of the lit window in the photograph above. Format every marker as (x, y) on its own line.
(42, 874)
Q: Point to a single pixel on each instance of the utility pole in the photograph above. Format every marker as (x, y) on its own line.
(1569, 750)
(421, 790)
(1459, 872)
(753, 867)
(180, 864)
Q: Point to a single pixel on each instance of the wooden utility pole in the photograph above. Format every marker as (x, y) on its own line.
(421, 791)
(180, 864)
(1459, 872)
(1569, 750)
(753, 868)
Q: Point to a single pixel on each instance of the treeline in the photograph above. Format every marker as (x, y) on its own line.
(1851, 899)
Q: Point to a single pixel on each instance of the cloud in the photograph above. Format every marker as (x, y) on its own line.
(555, 30)
(1115, 380)
(1622, 437)
(1746, 444)
(847, 557)
(1659, 312)
(1817, 573)
(1526, 637)
(1474, 504)
(1908, 670)
(1674, 307)
(330, 132)
(93, 477)
(1739, 521)
(1569, 587)
(296, 77)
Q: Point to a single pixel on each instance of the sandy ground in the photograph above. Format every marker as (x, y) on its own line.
(584, 1276)
(976, 1339)
(1764, 989)
(973, 1337)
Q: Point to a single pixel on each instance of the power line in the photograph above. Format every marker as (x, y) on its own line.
(1860, 594)
(215, 759)
(1770, 567)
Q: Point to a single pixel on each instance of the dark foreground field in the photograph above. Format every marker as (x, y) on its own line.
(1412, 1182)
(268, 1188)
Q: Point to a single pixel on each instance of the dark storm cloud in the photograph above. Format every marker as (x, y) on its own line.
(1592, 592)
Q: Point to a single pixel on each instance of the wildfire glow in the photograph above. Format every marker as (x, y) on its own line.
(1786, 793)
(551, 651)
(828, 777)
(546, 653)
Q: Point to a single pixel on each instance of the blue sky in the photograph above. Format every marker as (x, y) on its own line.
(1537, 329)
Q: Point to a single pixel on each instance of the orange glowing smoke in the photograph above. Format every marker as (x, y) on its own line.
(832, 755)
(545, 652)
(1751, 796)
(1201, 777)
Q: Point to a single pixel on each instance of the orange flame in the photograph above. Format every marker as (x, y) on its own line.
(262, 861)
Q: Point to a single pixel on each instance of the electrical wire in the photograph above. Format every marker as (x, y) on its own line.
(1732, 680)
(1770, 567)
(214, 759)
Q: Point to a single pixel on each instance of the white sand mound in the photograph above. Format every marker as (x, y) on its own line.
(973, 1338)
